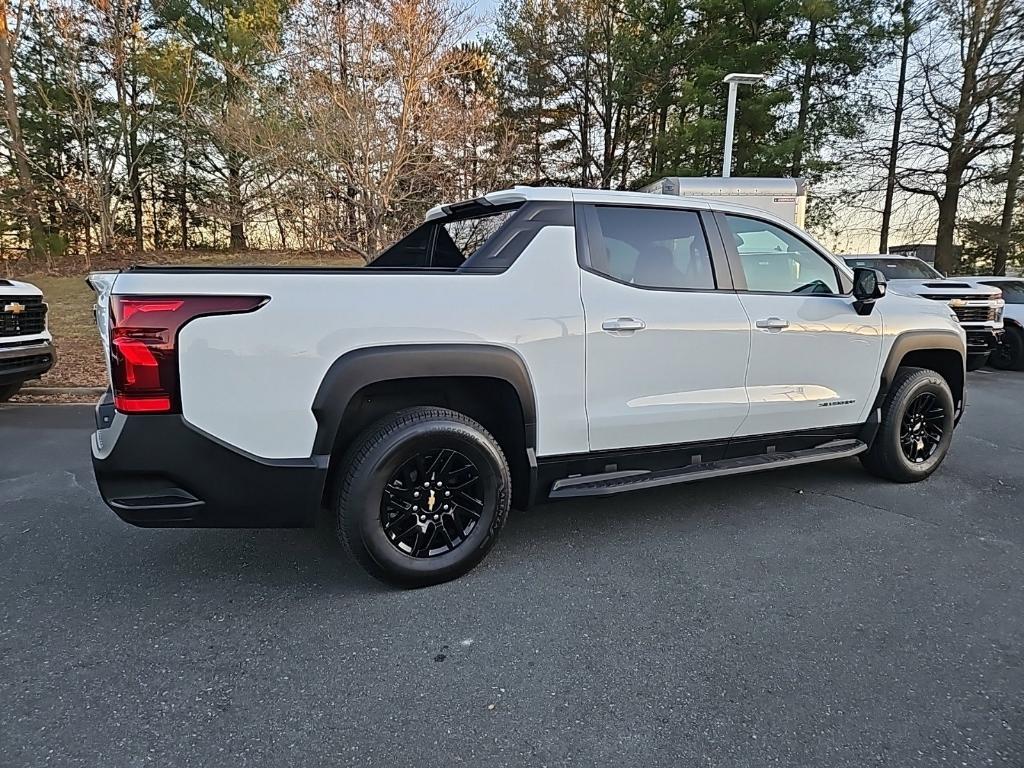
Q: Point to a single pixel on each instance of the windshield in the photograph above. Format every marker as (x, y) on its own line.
(1013, 290)
(897, 269)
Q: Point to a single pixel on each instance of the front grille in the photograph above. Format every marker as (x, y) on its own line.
(17, 363)
(32, 319)
(975, 314)
(983, 313)
(952, 296)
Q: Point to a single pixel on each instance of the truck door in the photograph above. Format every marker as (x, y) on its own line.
(666, 338)
(813, 360)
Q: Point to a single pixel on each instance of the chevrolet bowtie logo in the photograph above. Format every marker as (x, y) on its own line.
(14, 308)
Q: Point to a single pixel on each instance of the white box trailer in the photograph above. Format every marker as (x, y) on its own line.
(785, 198)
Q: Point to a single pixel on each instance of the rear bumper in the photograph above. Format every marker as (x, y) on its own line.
(158, 471)
(25, 361)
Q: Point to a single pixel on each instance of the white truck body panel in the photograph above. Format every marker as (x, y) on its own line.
(699, 370)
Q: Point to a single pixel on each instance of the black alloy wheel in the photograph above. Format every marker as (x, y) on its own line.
(432, 503)
(915, 429)
(1009, 354)
(422, 495)
(922, 428)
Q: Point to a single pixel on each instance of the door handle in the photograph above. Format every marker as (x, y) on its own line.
(772, 323)
(623, 324)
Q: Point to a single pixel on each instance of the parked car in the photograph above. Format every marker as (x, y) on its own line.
(531, 344)
(26, 347)
(1009, 355)
(979, 308)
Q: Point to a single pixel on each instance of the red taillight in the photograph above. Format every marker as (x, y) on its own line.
(143, 345)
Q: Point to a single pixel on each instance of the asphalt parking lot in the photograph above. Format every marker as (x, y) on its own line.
(808, 617)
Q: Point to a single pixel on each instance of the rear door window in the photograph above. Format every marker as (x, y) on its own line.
(650, 247)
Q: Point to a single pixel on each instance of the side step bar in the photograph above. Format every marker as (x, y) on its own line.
(631, 480)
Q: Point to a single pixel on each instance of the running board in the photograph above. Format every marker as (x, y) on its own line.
(631, 480)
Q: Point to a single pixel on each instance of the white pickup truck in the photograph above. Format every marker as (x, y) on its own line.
(26, 347)
(531, 344)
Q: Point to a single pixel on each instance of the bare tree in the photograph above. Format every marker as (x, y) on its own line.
(12, 118)
(382, 129)
(1013, 176)
(958, 116)
(907, 26)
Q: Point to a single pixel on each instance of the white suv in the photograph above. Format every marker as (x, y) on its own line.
(26, 347)
(531, 344)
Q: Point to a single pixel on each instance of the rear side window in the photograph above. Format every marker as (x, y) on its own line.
(650, 247)
(445, 243)
(775, 261)
(458, 240)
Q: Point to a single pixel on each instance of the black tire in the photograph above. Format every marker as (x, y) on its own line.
(7, 391)
(1009, 355)
(977, 361)
(384, 468)
(887, 457)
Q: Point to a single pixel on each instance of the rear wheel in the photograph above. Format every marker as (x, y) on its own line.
(1009, 355)
(7, 391)
(916, 428)
(423, 496)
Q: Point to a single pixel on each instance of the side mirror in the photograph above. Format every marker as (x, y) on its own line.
(868, 286)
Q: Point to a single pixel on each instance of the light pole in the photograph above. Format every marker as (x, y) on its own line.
(733, 79)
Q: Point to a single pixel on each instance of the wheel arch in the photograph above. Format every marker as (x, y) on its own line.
(486, 382)
(940, 351)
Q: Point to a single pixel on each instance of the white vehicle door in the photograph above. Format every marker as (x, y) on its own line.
(667, 338)
(814, 361)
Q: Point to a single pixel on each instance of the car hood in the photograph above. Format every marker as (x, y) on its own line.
(17, 288)
(936, 287)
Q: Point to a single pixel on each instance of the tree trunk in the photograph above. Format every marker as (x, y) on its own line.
(183, 196)
(1013, 174)
(37, 235)
(894, 146)
(235, 210)
(538, 128)
(945, 258)
(805, 98)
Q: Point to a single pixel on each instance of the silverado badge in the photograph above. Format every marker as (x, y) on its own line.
(14, 308)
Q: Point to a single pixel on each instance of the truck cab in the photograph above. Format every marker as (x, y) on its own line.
(978, 307)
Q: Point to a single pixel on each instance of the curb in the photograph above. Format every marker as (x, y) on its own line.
(62, 390)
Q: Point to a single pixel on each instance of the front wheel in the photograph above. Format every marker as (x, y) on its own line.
(1009, 355)
(916, 428)
(977, 361)
(7, 391)
(423, 495)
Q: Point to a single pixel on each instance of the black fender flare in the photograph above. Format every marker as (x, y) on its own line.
(912, 341)
(904, 344)
(370, 365)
